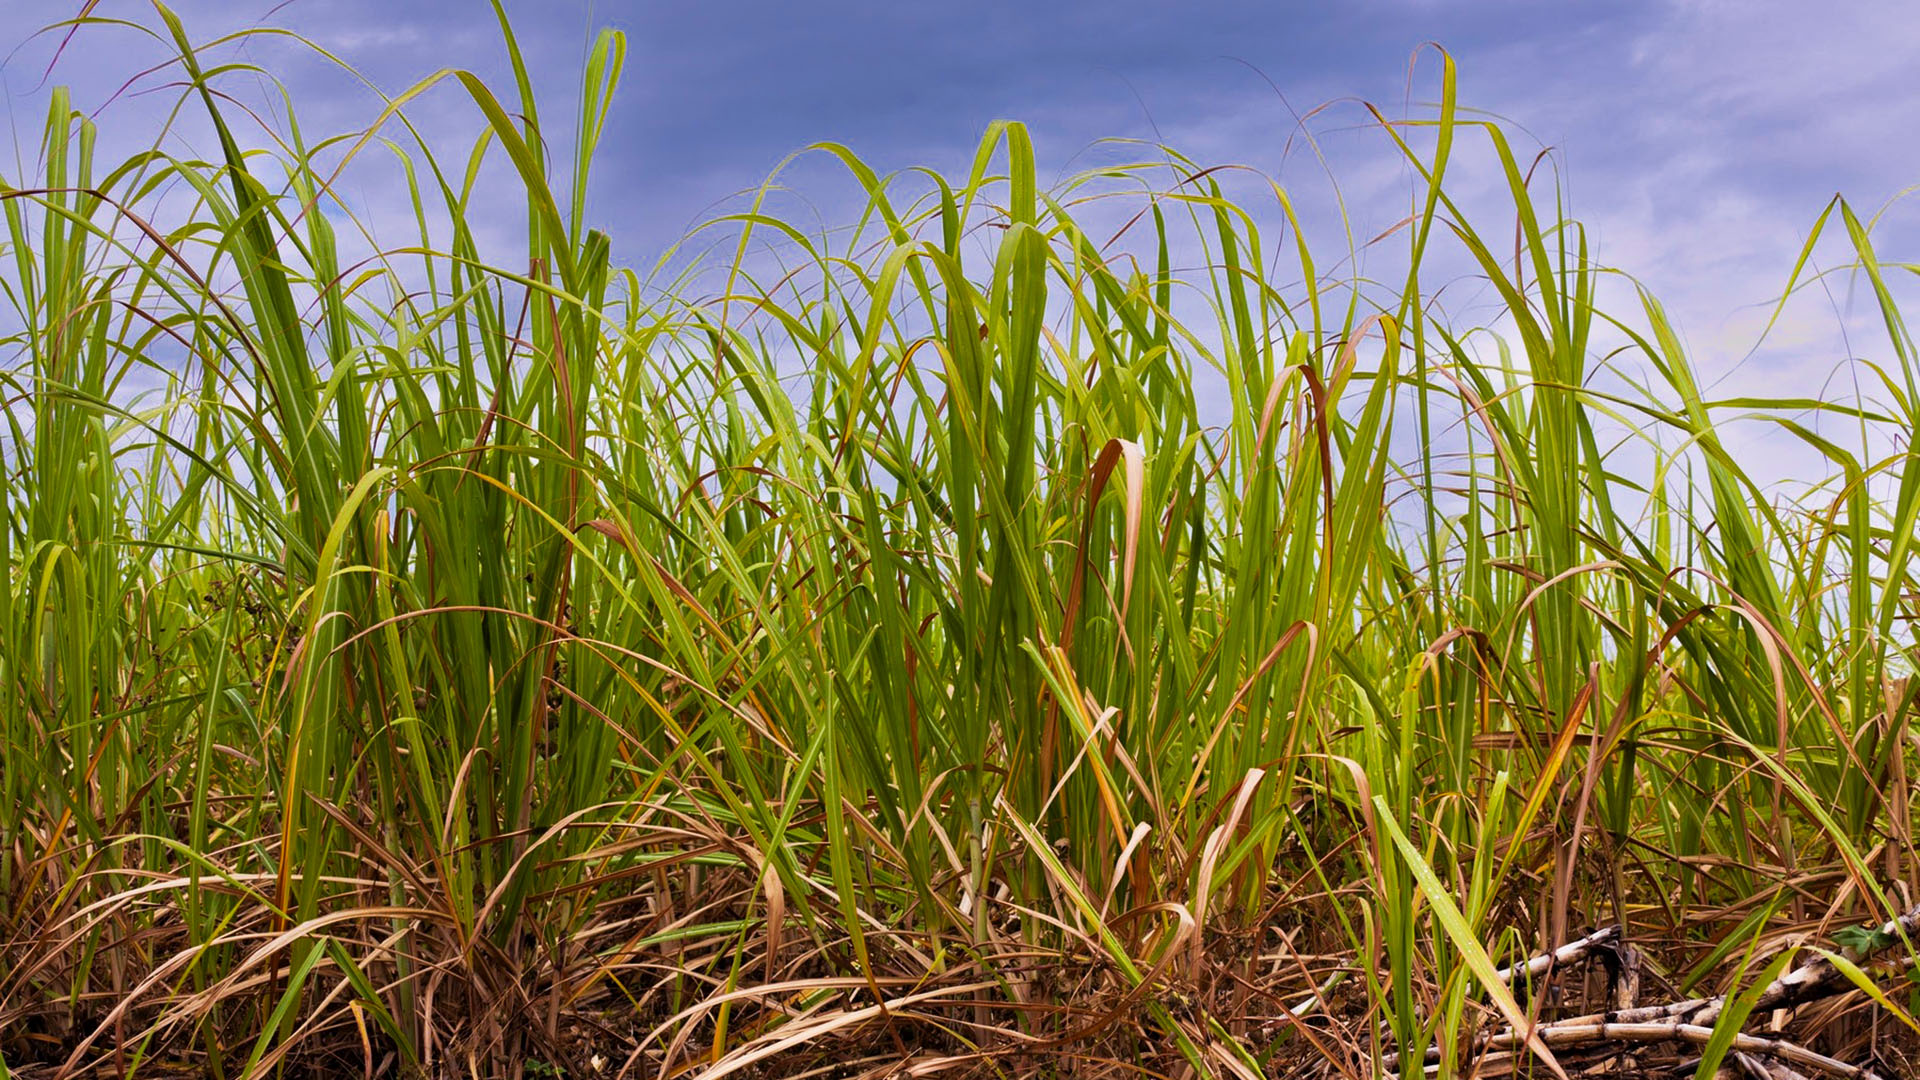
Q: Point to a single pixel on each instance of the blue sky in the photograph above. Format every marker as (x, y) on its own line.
(1698, 140)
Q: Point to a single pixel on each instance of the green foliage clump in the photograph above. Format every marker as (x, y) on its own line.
(456, 662)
